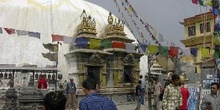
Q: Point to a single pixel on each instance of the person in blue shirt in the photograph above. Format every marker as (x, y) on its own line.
(94, 101)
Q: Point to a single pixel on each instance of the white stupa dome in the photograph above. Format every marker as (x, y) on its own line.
(60, 17)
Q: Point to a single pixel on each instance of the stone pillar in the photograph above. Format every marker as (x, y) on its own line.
(11, 96)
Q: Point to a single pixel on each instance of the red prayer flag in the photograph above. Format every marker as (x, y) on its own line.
(10, 31)
(173, 51)
(195, 1)
(116, 44)
(57, 38)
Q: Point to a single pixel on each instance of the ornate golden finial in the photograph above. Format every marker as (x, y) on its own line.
(93, 25)
(110, 18)
(84, 15)
(114, 26)
(87, 25)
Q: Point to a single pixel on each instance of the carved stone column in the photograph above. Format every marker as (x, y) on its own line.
(11, 96)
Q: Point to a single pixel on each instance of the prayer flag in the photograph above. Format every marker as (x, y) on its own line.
(217, 40)
(94, 43)
(34, 34)
(130, 48)
(10, 31)
(1, 30)
(22, 32)
(106, 44)
(163, 50)
(201, 2)
(194, 51)
(153, 49)
(205, 52)
(173, 51)
(57, 38)
(217, 54)
(82, 42)
(117, 44)
(69, 40)
(161, 38)
(195, 1)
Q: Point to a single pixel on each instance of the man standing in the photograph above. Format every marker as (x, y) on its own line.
(211, 101)
(143, 86)
(184, 93)
(93, 101)
(71, 95)
(138, 95)
(157, 89)
(172, 99)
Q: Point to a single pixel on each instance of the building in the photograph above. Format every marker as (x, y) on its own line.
(199, 34)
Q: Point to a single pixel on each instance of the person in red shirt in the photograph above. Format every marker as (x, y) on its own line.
(184, 92)
(42, 83)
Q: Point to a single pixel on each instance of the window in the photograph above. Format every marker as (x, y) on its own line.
(191, 31)
(205, 27)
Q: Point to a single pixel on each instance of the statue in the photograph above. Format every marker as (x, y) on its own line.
(94, 25)
(110, 19)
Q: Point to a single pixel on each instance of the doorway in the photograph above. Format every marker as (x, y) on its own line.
(94, 73)
(128, 76)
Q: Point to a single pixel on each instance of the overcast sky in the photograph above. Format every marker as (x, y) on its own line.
(163, 15)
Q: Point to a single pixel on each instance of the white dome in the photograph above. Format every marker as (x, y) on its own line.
(59, 17)
(36, 16)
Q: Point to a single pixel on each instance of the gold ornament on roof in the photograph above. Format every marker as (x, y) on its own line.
(114, 26)
(88, 25)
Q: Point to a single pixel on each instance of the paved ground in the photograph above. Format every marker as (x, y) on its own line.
(130, 106)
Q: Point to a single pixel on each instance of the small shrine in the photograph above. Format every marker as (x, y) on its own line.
(105, 59)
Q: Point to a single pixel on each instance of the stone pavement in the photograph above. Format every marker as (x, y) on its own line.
(130, 106)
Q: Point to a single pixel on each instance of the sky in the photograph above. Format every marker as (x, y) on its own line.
(163, 15)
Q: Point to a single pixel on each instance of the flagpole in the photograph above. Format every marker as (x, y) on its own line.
(51, 26)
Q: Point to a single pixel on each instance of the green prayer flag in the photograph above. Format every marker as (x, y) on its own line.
(201, 2)
(217, 54)
(106, 44)
(163, 50)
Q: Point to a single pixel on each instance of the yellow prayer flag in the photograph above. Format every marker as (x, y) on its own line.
(205, 52)
(208, 2)
(94, 43)
(152, 49)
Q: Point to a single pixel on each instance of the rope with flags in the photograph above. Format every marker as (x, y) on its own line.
(147, 26)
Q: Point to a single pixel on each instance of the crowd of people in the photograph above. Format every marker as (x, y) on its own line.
(174, 95)
(66, 100)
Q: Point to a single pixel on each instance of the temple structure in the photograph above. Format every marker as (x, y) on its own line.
(115, 69)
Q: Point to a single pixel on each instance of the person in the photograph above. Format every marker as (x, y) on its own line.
(42, 82)
(157, 90)
(211, 101)
(94, 101)
(143, 86)
(138, 95)
(172, 98)
(54, 101)
(42, 85)
(184, 93)
(71, 94)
